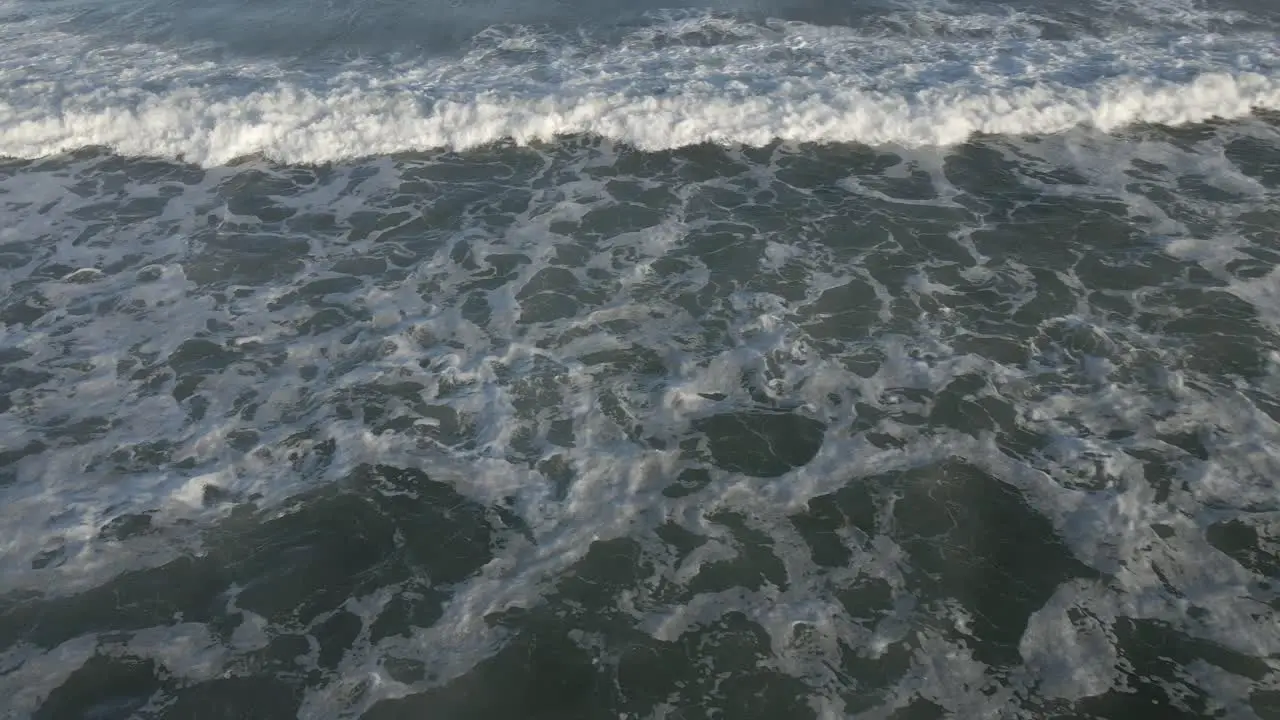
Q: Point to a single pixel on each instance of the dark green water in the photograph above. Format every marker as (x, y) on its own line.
(586, 432)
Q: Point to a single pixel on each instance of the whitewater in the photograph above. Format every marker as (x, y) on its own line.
(675, 81)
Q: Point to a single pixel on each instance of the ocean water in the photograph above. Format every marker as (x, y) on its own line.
(682, 359)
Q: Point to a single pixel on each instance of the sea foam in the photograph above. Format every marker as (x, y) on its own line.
(667, 86)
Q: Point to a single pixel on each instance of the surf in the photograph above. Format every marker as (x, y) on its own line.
(664, 85)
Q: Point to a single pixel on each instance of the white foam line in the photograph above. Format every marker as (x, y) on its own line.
(289, 124)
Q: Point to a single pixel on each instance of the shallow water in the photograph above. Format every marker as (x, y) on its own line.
(888, 361)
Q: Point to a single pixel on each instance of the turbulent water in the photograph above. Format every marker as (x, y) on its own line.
(574, 360)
